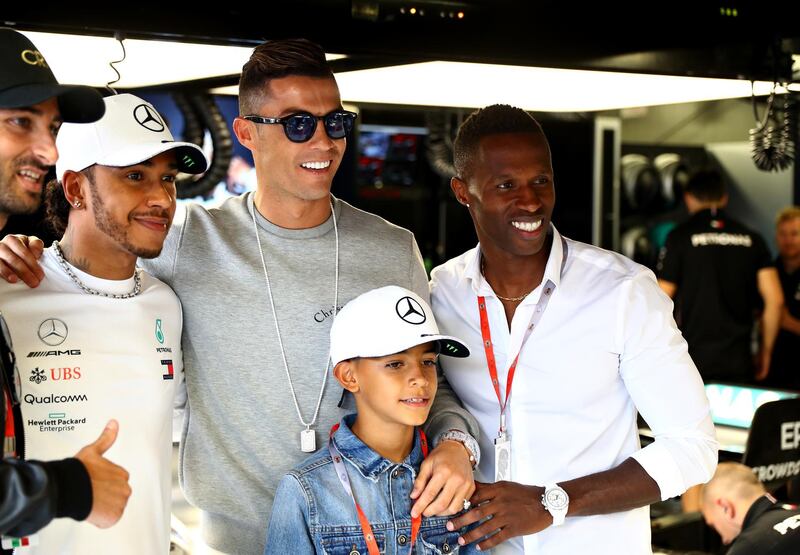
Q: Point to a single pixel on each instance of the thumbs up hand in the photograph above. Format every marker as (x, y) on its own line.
(110, 489)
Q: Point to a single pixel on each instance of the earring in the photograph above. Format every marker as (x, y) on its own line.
(77, 204)
(467, 205)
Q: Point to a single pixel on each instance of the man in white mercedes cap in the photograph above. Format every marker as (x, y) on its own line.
(100, 338)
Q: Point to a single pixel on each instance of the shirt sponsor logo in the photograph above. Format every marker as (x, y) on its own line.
(721, 239)
(52, 399)
(170, 370)
(38, 375)
(53, 332)
(65, 373)
(43, 354)
(322, 315)
(159, 331)
(791, 523)
(56, 422)
(163, 350)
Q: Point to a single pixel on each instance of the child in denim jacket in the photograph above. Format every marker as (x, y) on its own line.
(353, 498)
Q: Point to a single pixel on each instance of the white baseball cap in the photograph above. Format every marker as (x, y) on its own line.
(385, 321)
(130, 132)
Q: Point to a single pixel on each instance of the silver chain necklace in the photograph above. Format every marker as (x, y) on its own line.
(137, 279)
(308, 440)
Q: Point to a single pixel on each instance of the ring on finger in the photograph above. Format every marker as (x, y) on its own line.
(467, 504)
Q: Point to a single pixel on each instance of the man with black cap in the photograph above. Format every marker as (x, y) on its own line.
(102, 337)
(32, 106)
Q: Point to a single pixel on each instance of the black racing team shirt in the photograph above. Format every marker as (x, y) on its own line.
(786, 355)
(714, 260)
(768, 529)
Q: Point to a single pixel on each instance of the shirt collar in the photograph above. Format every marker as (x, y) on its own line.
(759, 507)
(553, 270)
(369, 463)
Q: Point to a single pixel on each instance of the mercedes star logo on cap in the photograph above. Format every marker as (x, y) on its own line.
(53, 332)
(147, 117)
(410, 311)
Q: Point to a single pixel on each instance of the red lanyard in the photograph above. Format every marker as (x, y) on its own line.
(538, 312)
(9, 439)
(544, 299)
(486, 332)
(366, 529)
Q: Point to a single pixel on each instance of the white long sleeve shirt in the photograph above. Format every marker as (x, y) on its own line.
(604, 346)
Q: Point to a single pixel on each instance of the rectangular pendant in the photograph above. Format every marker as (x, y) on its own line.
(502, 458)
(308, 441)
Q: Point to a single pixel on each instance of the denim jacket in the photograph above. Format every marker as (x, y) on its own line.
(313, 513)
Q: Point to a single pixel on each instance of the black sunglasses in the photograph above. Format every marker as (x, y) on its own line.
(300, 127)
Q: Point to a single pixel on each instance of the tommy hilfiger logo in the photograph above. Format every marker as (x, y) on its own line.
(170, 370)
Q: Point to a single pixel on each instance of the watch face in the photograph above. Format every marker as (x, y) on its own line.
(556, 498)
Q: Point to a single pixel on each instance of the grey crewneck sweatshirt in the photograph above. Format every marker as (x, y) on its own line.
(241, 432)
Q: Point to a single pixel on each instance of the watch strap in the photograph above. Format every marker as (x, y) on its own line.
(558, 513)
(464, 439)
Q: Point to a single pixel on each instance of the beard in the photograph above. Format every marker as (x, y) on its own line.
(14, 199)
(106, 224)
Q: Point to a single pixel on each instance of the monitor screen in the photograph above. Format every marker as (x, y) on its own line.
(388, 155)
(734, 405)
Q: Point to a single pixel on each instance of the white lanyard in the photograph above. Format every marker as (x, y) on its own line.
(308, 441)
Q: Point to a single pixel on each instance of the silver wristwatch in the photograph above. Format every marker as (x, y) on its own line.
(464, 439)
(556, 501)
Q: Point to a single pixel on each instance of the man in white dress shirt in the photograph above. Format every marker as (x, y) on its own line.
(568, 342)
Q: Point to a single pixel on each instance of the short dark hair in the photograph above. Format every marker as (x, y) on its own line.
(706, 186)
(492, 120)
(274, 59)
(56, 205)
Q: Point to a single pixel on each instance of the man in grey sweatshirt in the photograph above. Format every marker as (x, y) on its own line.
(258, 279)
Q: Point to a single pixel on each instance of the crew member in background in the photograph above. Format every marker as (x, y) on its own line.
(785, 369)
(738, 507)
(720, 274)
